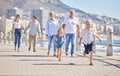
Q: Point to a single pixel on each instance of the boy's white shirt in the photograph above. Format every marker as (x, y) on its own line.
(88, 36)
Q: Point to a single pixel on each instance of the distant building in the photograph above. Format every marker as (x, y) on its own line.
(116, 29)
(42, 16)
(13, 11)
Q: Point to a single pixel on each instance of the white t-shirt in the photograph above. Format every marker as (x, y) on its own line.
(71, 24)
(88, 35)
(17, 25)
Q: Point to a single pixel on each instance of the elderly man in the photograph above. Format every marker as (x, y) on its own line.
(51, 31)
(71, 25)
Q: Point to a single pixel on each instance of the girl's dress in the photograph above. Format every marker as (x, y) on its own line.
(60, 41)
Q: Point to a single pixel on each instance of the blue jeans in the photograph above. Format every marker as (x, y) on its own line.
(50, 40)
(70, 38)
(18, 34)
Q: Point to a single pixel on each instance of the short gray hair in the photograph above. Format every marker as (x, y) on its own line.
(72, 10)
(51, 12)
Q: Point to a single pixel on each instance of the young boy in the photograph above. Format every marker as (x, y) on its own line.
(88, 35)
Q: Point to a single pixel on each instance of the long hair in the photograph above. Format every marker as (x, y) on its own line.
(34, 17)
(16, 17)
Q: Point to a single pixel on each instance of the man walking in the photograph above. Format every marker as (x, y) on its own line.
(71, 25)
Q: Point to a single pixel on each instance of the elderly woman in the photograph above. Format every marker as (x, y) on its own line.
(51, 31)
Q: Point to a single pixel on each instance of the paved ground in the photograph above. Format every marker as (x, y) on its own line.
(25, 63)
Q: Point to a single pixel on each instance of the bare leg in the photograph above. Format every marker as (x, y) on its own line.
(84, 54)
(34, 44)
(91, 57)
(30, 39)
(60, 54)
(57, 53)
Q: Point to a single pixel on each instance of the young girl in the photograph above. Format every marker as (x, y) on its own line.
(60, 42)
(88, 37)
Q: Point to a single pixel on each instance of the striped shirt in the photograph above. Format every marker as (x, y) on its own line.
(51, 27)
(70, 25)
(34, 27)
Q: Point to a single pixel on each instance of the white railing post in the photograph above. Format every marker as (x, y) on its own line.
(9, 36)
(4, 37)
(0, 37)
(94, 46)
(109, 41)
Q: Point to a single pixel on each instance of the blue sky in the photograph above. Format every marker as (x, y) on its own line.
(109, 8)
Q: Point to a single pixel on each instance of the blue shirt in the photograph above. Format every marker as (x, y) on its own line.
(51, 27)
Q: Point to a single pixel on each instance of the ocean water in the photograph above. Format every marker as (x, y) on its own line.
(99, 48)
(105, 42)
(117, 42)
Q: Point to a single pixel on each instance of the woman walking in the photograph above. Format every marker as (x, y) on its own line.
(51, 31)
(17, 29)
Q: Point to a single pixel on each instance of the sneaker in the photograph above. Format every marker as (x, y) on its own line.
(91, 64)
(59, 59)
(66, 54)
(72, 55)
(15, 49)
(18, 50)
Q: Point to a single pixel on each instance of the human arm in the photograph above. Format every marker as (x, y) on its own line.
(22, 26)
(26, 28)
(98, 38)
(47, 28)
(39, 31)
(81, 37)
(78, 30)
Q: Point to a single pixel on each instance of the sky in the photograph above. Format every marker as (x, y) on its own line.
(109, 8)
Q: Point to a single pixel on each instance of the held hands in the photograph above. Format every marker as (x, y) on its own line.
(46, 35)
(25, 32)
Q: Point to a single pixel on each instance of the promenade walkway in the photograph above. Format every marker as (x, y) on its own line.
(28, 63)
